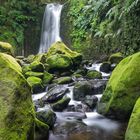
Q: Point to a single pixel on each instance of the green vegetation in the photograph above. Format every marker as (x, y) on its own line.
(104, 26)
(16, 17)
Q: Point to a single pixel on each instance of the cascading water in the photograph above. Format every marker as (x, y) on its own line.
(50, 26)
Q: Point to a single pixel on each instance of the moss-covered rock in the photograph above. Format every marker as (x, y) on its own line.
(6, 48)
(47, 117)
(36, 74)
(115, 58)
(63, 80)
(58, 62)
(41, 130)
(29, 59)
(122, 89)
(37, 66)
(61, 104)
(62, 57)
(35, 83)
(16, 107)
(93, 74)
(81, 89)
(133, 129)
(47, 78)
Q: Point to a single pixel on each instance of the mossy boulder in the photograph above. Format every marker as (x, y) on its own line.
(36, 74)
(62, 57)
(58, 62)
(35, 83)
(63, 80)
(93, 74)
(16, 107)
(29, 59)
(115, 58)
(47, 78)
(6, 48)
(47, 117)
(133, 129)
(122, 90)
(37, 66)
(41, 130)
(81, 89)
(61, 104)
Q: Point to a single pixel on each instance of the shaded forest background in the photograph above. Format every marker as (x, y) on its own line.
(93, 27)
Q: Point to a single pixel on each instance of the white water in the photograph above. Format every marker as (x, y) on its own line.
(50, 27)
(97, 68)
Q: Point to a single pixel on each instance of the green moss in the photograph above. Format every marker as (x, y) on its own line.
(61, 104)
(63, 80)
(35, 83)
(93, 74)
(16, 107)
(133, 129)
(47, 78)
(29, 59)
(47, 117)
(41, 130)
(59, 61)
(122, 89)
(115, 58)
(61, 48)
(36, 74)
(6, 48)
(37, 66)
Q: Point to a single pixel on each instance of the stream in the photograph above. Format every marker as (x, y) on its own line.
(82, 125)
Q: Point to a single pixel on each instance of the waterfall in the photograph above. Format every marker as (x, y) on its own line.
(50, 27)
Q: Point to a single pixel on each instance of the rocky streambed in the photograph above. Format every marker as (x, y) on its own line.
(73, 110)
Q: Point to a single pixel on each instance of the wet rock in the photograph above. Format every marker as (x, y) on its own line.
(79, 108)
(115, 58)
(91, 87)
(63, 80)
(81, 89)
(91, 101)
(61, 104)
(48, 117)
(56, 93)
(93, 74)
(66, 128)
(98, 86)
(105, 67)
(55, 96)
(41, 130)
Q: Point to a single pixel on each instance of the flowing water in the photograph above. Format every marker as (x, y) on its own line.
(50, 27)
(83, 125)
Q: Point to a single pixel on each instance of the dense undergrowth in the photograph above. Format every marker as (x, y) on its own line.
(16, 16)
(105, 26)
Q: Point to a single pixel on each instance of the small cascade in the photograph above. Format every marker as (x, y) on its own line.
(50, 26)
